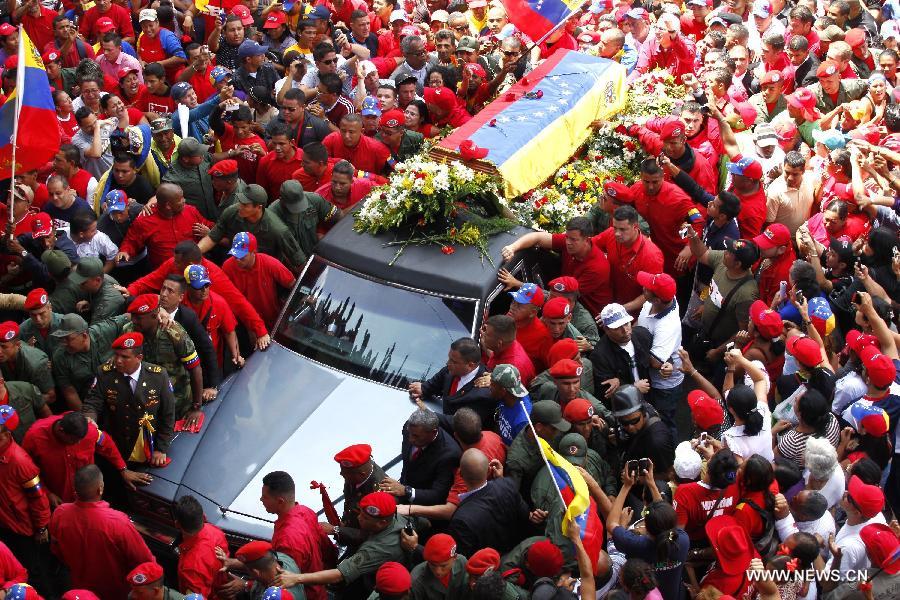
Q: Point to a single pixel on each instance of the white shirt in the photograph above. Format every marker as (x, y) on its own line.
(133, 377)
(465, 379)
(100, 246)
(852, 548)
(823, 526)
(748, 445)
(847, 390)
(834, 488)
(666, 330)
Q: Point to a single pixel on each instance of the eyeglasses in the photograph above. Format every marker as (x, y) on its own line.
(417, 53)
(330, 61)
(510, 53)
(460, 28)
(630, 422)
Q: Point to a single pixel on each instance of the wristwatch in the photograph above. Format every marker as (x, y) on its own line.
(24, 253)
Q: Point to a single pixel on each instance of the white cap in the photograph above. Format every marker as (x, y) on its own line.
(614, 316)
(889, 29)
(399, 15)
(762, 8)
(368, 67)
(147, 14)
(687, 461)
(439, 15)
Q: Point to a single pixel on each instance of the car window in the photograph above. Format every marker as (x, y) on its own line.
(381, 332)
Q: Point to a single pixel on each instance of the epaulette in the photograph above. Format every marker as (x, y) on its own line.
(154, 368)
(106, 367)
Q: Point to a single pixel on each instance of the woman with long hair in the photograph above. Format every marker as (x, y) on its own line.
(749, 409)
(755, 511)
(815, 420)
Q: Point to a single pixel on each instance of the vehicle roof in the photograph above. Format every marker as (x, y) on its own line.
(462, 273)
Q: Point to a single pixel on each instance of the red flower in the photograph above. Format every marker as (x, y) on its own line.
(583, 186)
(621, 129)
(630, 146)
(565, 176)
(493, 123)
(421, 175)
(421, 222)
(540, 94)
(448, 249)
(620, 178)
(452, 231)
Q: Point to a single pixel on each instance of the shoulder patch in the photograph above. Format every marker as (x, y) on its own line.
(154, 368)
(106, 367)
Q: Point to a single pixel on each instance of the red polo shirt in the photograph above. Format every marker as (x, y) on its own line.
(516, 356)
(255, 284)
(666, 212)
(25, 507)
(627, 261)
(11, 570)
(247, 160)
(298, 535)
(59, 462)
(160, 235)
(592, 273)
(753, 213)
(272, 172)
(536, 340)
(198, 568)
(774, 273)
(313, 183)
(119, 15)
(40, 28)
(368, 155)
(493, 447)
(217, 319)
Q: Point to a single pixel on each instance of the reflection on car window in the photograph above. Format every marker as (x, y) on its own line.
(370, 329)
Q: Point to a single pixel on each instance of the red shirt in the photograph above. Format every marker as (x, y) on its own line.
(220, 284)
(69, 127)
(41, 196)
(368, 155)
(748, 517)
(99, 545)
(516, 356)
(626, 261)
(160, 235)
(272, 172)
(216, 317)
(775, 272)
(119, 15)
(11, 570)
(735, 586)
(358, 190)
(79, 182)
(148, 102)
(72, 57)
(298, 535)
(198, 567)
(666, 212)
(59, 462)
(25, 507)
(313, 183)
(536, 340)
(255, 284)
(40, 28)
(592, 273)
(694, 504)
(565, 42)
(247, 161)
(753, 212)
(689, 26)
(493, 447)
(200, 83)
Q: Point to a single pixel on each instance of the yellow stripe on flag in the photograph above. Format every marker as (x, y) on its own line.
(582, 499)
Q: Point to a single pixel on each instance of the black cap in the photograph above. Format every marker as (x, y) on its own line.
(745, 251)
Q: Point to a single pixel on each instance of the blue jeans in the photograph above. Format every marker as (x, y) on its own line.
(666, 401)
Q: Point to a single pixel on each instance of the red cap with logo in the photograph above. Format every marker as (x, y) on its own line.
(671, 130)
(706, 410)
(274, 19)
(105, 25)
(827, 69)
(134, 339)
(578, 410)
(767, 322)
(619, 192)
(144, 574)
(879, 367)
(9, 330)
(144, 304)
(379, 505)
(566, 369)
(773, 236)
(224, 168)
(564, 284)
(252, 551)
(882, 546)
(770, 77)
(857, 340)
(41, 225)
(50, 56)
(36, 298)
(805, 349)
(661, 285)
(392, 118)
(439, 548)
(556, 308)
(482, 561)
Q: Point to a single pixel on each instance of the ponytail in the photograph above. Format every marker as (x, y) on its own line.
(743, 402)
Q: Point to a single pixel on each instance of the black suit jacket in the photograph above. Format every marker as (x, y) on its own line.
(437, 389)
(611, 361)
(492, 517)
(209, 361)
(431, 472)
(806, 73)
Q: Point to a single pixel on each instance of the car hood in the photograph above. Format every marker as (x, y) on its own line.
(281, 412)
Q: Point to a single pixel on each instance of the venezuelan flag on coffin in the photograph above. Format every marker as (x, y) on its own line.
(579, 505)
(38, 133)
(527, 137)
(536, 17)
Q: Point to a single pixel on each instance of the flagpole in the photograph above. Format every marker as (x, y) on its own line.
(543, 456)
(20, 87)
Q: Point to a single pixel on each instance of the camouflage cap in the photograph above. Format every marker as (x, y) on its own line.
(507, 377)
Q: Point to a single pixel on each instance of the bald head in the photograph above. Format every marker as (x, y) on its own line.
(167, 192)
(88, 483)
(473, 467)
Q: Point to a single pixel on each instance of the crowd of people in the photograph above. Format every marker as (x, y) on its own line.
(717, 358)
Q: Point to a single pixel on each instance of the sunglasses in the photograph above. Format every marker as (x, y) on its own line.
(461, 28)
(330, 61)
(629, 422)
(510, 53)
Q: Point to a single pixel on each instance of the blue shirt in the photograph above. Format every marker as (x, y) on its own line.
(668, 573)
(511, 420)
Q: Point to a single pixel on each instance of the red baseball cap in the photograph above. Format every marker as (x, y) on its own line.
(869, 499)
(105, 25)
(705, 410)
(274, 19)
(244, 13)
(578, 410)
(879, 367)
(773, 236)
(857, 340)
(354, 456)
(661, 285)
(882, 546)
(767, 322)
(671, 130)
(439, 548)
(392, 118)
(124, 71)
(557, 308)
(41, 225)
(805, 349)
(802, 98)
(7, 29)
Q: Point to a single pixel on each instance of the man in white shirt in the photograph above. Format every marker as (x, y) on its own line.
(863, 504)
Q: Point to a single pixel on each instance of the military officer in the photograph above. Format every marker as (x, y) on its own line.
(567, 379)
(28, 402)
(37, 330)
(523, 460)
(226, 183)
(101, 299)
(567, 287)
(303, 212)
(265, 567)
(146, 581)
(361, 476)
(133, 401)
(250, 215)
(169, 346)
(82, 350)
(21, 362)
(443, 574)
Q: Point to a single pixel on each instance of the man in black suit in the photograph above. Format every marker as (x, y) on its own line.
(614, 363)
(430, 457)
(804, 62)
(454, 385)
(492, 513)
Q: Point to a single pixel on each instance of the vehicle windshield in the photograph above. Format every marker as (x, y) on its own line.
(381, 332)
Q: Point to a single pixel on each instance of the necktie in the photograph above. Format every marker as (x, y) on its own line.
(416, 451)
(133, 383)
(454, 385)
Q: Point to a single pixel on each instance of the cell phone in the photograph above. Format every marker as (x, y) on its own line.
(704, 110)
(632, 466)
(798, 296)
(857, 299)
(782, 287)
(729, 346)
(644, 464)
(408, 528)
(704, 437)
(684, 231)
(896, 252)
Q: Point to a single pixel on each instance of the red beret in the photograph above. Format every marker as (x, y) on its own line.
(671, 130)
(578, 410)
(144, 574)
(855, 37)
(36, 298)
(619, 192)
(705, 410)
(224, 168)
(544, 559)
(566, 368)
(482, 561)
(80, 595)
(557, 308)
(392, 579)
(8, 330)
(827, 68)
(440, 548)
(392, 118)
(144, 304)
(380, 505)
(564, 348)
(252, 551)
(773, 76)
(564, 285)
(134, 339)
(354, 456)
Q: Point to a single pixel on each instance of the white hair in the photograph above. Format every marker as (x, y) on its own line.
(821, 458)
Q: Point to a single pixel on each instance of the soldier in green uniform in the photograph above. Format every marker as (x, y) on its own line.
(614, 195)
(362, 476)
(83, 349)
(523, 461)
(303, 212)
(102, 300)
(402, 142)
(566, 386)
(487, 561)
(250, 214)
(443, 574)
(132, 401)
(392, 582)
(190, 170)
(146, 581)
(28, 402)
(169, 346)
(265, 567)
(582, 321)
(65, 293)
(543, 386)
(378, 518)
(595, 430)
(21, 362)
(226, 183)
(37, 330)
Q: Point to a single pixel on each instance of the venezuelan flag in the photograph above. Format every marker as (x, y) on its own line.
(28, 117)
(529, 137)
(537, 17)
(579, 505)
